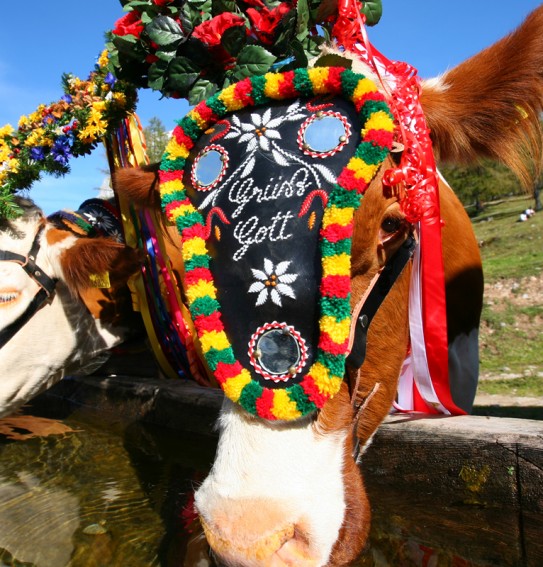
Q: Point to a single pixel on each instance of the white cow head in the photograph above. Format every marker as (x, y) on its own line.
(52, 320)
(289, 492)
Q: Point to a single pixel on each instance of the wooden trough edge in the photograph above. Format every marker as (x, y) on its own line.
(467, 487)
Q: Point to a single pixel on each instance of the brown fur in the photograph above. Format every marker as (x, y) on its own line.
(91, 256)
(139, 185)
(481, 112)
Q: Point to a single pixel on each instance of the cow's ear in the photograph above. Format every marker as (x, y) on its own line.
(489, 106)
(139, 185)
(98, 262)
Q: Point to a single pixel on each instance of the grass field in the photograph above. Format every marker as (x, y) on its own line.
(510, 249)
(512, 321)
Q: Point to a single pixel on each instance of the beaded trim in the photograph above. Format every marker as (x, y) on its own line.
(324, 377)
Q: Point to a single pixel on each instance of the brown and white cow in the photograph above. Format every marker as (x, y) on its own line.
(53, 319)
(290, 493)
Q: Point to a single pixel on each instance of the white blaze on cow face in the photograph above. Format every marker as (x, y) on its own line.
(275, 494)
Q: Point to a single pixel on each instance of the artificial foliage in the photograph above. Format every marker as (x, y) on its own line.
(194, 48)
(46, 140)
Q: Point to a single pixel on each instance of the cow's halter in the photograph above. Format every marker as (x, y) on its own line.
(46, 285)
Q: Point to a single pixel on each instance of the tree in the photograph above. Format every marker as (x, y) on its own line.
(485, 181)
(156, 138)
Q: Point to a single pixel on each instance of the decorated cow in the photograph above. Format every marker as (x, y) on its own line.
(314, 233)
(64, 300)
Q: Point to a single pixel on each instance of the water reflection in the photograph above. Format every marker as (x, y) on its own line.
(92, 498)
(74, 494)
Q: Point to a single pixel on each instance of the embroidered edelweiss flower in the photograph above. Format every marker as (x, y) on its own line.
(259, 132)
(273, 282)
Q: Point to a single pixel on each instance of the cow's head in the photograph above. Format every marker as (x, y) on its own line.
(54, 318)
(247, 185)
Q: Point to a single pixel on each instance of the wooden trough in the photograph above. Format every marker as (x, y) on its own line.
(458, 491)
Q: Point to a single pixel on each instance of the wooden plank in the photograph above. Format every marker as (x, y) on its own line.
(459, 488)
(177, 404)
(531, 499)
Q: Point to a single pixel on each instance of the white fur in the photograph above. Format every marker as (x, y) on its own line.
(61, 338)
(288, 463)
(437, 84)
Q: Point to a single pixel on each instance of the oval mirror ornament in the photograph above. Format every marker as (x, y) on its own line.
(209, 168)
(324, 134)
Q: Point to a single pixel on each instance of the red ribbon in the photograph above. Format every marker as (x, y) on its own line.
(418, 174)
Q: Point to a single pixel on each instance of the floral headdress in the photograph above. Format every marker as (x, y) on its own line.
(48, 138)
(194, 48)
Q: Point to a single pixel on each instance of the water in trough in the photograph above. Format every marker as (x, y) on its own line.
(81, 490)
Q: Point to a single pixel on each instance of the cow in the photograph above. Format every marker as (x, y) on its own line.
(288, 491)
(63, 302)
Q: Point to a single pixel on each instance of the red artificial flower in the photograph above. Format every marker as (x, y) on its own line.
(264, 21)
(211, 31)
(162, 2)
(129, 24)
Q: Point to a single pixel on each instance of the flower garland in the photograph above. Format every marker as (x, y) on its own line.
(193, 48)
(325, 376)
(48, 138)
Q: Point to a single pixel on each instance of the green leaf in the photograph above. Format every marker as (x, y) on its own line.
(166, 55)
(201, 90)
(181, 83)
(127, 45)
(157, 72)
(333, 60)
(253, 60)
(146, 18)
(199, 54)
(234, 39)
(165, 31)
(182, 65)
(373, 10)
(182, 74)
(185, 21)
(297, 50)
(284, 34)
(198, 11)
(138, 5)
(220, 6)
(302, 26)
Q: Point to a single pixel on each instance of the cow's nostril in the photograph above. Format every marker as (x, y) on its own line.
(245, 549)
(294, 552)
(253, 533)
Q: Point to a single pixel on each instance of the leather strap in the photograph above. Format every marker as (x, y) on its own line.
(38, 300)
(370, 302)
(47, 286)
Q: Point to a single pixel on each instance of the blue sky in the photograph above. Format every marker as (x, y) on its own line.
(40, 40)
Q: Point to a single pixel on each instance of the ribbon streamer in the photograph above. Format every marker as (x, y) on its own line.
(417, 174)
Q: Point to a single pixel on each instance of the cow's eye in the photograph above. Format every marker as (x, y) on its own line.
(323, 134)
(209, 167)
(391, 224)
